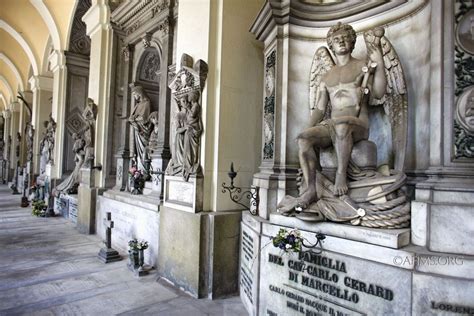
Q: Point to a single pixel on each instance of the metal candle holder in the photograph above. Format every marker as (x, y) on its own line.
(236, 194)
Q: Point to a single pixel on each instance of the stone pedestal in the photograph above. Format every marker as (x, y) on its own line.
(355, 272)
(198, 251)
(107, 255)
(87, 196)
(183, 195)
(133, 218)
(443, 216)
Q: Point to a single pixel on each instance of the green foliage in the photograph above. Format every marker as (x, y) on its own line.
(38, 208)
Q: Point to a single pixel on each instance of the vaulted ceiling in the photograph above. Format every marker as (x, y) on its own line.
(29, 30)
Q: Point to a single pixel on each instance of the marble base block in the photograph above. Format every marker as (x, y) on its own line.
(348, 274)
(131, 220)
(443, 218)
(183, 195)
(198, 251)
(393, 238)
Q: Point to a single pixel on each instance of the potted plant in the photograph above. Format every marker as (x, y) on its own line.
(38, 208)
(136, 254)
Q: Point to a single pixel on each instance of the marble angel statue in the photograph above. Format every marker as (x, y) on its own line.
(352, 153)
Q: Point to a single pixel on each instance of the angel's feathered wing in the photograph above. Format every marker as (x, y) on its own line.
(395, 104)
(322, 63)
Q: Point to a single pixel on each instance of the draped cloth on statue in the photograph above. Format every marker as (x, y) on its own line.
(191, 140)
(141, 131)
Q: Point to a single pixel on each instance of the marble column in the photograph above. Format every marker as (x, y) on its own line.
(123, 154)
(97, 20)
(14, 128)
(42, 88)
(57, 64)
(7, 114)
(100, 31)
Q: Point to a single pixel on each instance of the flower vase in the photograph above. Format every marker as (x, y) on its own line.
(133, 256)
(141, 257)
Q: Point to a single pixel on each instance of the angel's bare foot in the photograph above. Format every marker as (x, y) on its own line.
(308, 197)
(340, 187)
(287, 205)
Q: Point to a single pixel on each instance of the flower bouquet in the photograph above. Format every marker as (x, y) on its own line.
(288, 241)
(137, 180)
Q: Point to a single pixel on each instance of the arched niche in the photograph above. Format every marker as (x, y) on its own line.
(77, 83)
(148, 73)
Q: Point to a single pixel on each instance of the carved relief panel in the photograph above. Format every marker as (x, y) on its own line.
(269, 107)
(464, 80)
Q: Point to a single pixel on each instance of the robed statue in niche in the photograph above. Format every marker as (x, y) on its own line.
(359, 111)
(141, 127)
(187, 123)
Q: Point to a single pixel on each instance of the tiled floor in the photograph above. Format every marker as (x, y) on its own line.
(48, 268)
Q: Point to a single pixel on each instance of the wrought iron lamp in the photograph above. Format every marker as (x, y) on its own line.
(237, 195)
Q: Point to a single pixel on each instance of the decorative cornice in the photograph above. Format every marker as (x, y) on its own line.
(56, 60)
(41, 83)
(97, 18)
(312, 21)
(130, 16)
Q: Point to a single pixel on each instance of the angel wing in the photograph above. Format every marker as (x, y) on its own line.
(395, 106)
(322, 63)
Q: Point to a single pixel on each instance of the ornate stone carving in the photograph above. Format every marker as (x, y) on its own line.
(126, 50)
(186, 88)
(2, 147)
(80, 42)
(18, 145)
(464, 81)
(138, 13)
(153, 119)
(47, 144)
(269, 107)
(373, 197)
(165, 26)
(75, 121)
(89, 114)
(150, 66)
(83, 150)
(139, 121)
(146, 40)
(30, 133)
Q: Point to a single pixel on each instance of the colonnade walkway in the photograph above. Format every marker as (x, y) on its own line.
(48, 268)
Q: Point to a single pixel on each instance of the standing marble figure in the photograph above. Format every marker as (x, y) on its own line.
(141, 129)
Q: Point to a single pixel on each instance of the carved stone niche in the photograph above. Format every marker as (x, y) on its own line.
(77, 62)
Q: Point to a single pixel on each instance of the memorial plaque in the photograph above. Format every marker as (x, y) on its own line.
(249, 268)
(183, 195)
(328, 283)
(73, 209)
(61, 206)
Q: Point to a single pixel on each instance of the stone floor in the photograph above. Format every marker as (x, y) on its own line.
(47, 268)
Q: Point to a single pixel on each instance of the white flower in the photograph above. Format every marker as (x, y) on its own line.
(288, 246)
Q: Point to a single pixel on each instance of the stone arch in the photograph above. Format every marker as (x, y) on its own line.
(49, 49)
(147, 70)
(9, 87)
(14, 69)
(78, 41)
(49, 21)
(7, 28)
(3, 101)
(77, 81)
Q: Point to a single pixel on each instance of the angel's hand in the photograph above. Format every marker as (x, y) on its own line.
(375, 53)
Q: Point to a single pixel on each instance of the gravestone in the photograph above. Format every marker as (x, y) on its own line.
(108, 254)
